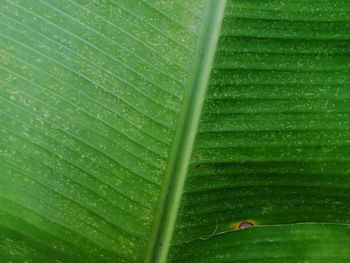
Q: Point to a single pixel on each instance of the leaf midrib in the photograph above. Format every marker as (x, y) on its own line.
(181, 149)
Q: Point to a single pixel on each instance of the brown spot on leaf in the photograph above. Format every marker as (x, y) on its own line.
(245, 224)
(197, 158)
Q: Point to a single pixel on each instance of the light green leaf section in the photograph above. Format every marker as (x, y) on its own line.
(91, 93)
(101, 159)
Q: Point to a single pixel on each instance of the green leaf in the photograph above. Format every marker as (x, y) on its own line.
(154, 131)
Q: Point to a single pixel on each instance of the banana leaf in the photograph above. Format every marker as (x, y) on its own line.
(175, 131)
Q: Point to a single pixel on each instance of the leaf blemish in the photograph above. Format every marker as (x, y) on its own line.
(197, 158)
(243, 224)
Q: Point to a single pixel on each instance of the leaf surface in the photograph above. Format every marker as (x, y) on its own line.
(154, 131)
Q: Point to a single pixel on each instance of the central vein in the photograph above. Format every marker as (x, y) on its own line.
(181, 150)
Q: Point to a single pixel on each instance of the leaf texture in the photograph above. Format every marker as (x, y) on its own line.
(288, 244)
(273, 147)
(91, 94)
(100, 152)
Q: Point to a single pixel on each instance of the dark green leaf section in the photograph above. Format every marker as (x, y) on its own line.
(304, 243)
(90, 96)
(274, 140)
